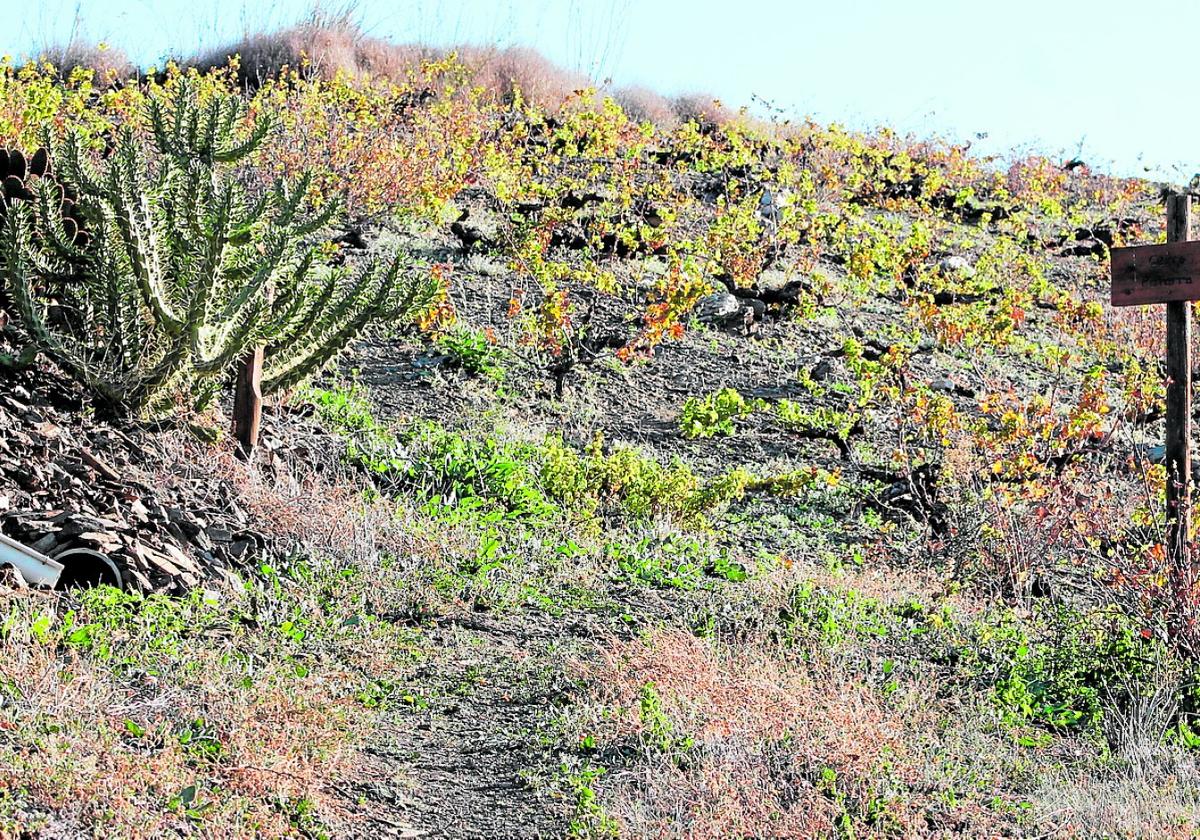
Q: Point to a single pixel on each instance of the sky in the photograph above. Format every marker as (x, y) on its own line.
(1060, 77)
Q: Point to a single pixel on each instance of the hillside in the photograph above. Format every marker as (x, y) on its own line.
(740, 479)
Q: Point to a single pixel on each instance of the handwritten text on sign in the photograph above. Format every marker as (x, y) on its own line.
(1156, 273)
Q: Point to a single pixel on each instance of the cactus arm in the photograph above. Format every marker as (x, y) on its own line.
(234, 153)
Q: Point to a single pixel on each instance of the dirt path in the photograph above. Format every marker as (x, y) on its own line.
(471, 742)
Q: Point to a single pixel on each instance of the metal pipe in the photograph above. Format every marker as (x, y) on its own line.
(35, 567)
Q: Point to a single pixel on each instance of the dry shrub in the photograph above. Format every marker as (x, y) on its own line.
(324, 48)
(708, 111)
(1161, 803)
(107, 64)
(540, 81)
(383, 59)
(644, 105)
(323, 44)
(327, 47)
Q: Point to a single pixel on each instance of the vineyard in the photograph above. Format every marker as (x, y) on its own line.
(629, 469)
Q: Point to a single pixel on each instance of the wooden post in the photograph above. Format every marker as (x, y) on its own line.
(247, 403)
(1179, 400)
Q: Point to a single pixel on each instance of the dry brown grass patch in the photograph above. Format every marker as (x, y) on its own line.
(780, 749)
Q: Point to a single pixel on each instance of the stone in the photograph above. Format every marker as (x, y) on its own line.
(955, 265)
(768, 210)
(74, 524)
(102, 542)
(719, 308)
(775, 285)
(45, 545)
(11, 578)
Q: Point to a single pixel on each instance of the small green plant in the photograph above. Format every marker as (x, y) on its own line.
(591, 822)
(472, 351)
(821, 421)
(678, 562)
(369, 443)
(713, 414)
(660, 732)
(667, 566)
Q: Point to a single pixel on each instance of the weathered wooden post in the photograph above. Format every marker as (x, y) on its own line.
(1179, 398)
(1170, 274)
(247, 403)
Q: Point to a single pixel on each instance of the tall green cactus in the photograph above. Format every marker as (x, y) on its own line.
(147, 276)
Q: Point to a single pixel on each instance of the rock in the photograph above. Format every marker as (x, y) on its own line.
(102, 542)
(46, 544)
(202, 542)
(138, 511)
(955, 265)
(778, 286)
(11, 578)
(486, 266)
(757, 307)
(577, 200)
(152, 559)
(719, 308)
(74, 524)
(180, 559)
(768, 210)
(654, 266)
(102, 467)
(482, 229)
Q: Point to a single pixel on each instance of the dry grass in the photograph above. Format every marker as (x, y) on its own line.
(90, 726)
(1162, 803)
(784, 748)
(781, 749)
(91, 741)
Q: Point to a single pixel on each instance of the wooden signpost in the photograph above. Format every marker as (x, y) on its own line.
(1169, 274)
(247, 403)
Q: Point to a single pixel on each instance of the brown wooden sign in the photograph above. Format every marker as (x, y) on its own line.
(1156, 273)
(1170, 274)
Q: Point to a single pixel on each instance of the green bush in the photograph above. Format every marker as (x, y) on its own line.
(473, 352)
(148, 276)
(713, 414)
(1056, 668)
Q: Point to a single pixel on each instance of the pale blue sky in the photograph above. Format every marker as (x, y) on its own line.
(1044, 75)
